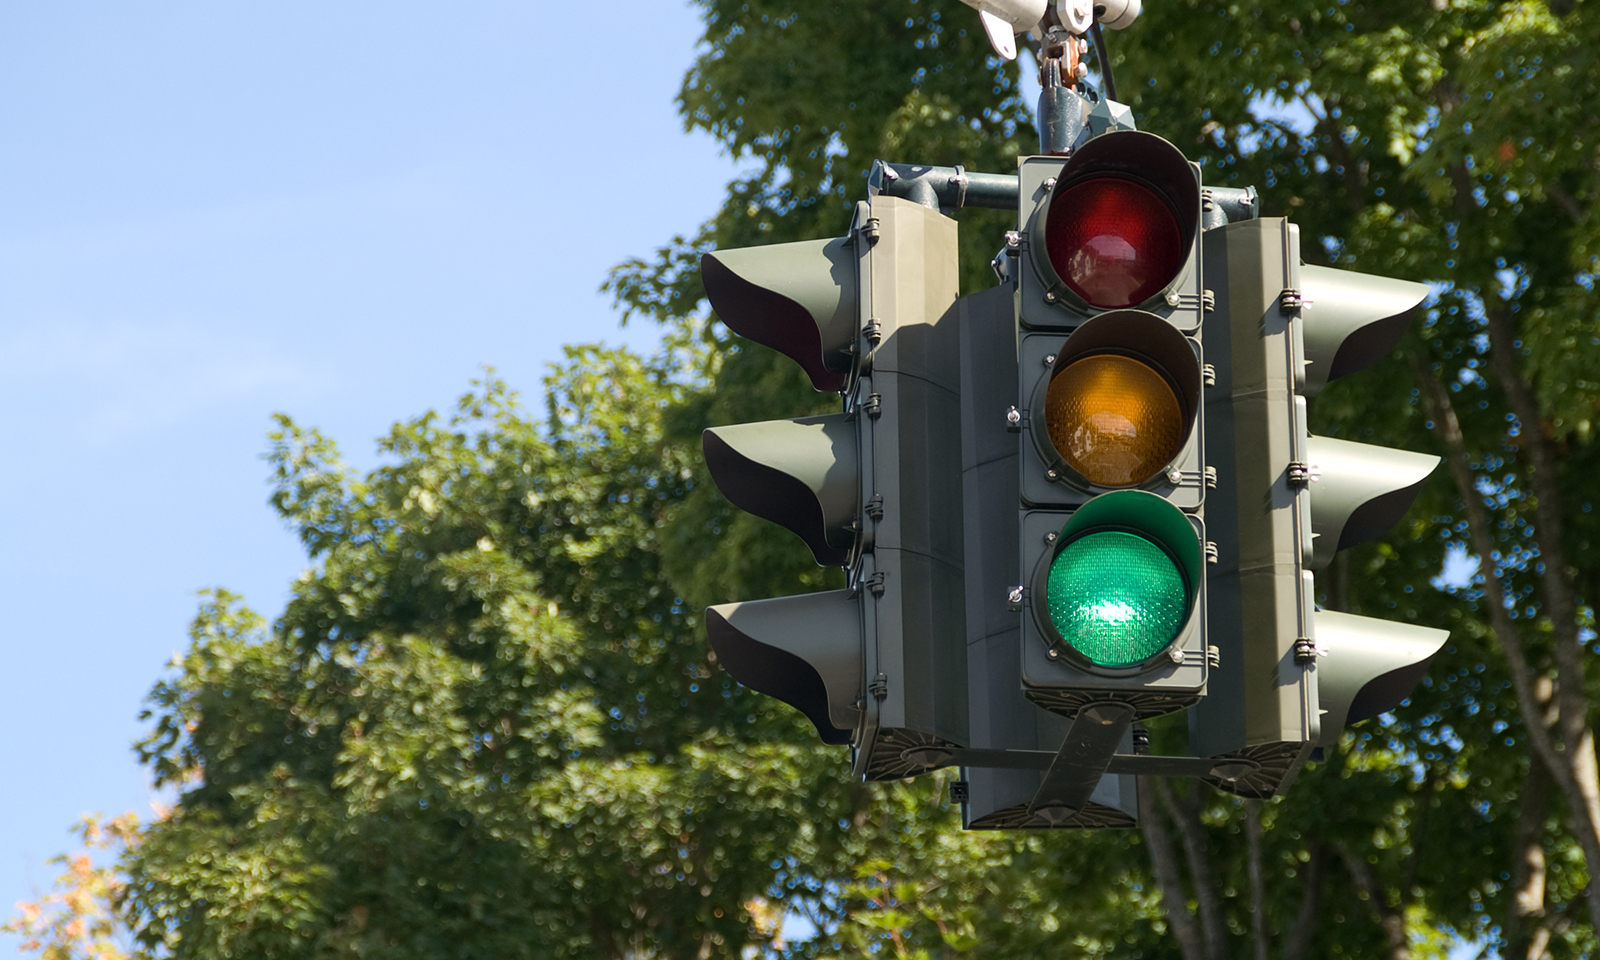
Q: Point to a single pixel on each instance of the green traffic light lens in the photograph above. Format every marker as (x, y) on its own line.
(1117, 598)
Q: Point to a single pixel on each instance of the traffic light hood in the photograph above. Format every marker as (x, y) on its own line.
(1369, 666)
(1144, 514)
(1360, 491)
(1352, 320)
(1121, 582)
(1120, 420)
(804, 650)
(801, 474)
(797, 298)
(1120, 222)
(875, 490)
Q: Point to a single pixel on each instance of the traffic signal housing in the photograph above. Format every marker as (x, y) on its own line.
(1017, 739)
(874, 489)
(1293, 676)
(1082, 381)
(1111, 469)
(1083, 499)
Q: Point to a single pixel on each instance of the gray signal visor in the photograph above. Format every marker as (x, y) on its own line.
(797, 298)
(1351, 321)
(803, 650)
(1360, 491)
(1369, 667)
(802, 474)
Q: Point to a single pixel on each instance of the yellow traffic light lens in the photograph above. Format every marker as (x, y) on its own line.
(1114, 419)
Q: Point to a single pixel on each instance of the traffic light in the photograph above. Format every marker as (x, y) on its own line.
(1111, 468)
(1085, 482)
(1293, 677)
(875, 489)
(1021, 484)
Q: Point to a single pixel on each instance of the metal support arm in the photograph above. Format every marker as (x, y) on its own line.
(1136, 764)
(945, 189)
(1081, 762)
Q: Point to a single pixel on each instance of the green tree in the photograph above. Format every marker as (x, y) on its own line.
(1450, 142)
(483, 725)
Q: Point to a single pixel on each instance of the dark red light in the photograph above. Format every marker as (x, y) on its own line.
(1114, 242)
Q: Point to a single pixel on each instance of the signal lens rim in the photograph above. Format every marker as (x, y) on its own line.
(1145, 515)
(1156, 263)
(1141, 336)
(1127, 409)
(1137, 550)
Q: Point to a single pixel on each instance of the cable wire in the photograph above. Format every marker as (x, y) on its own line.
(1104, 62)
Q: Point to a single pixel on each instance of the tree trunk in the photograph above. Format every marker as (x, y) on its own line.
(1164, 861)
(1569, 758)
(1186, 817)
(1523, 923)
(1258, 883)
(1391, 920)
(1298, 946)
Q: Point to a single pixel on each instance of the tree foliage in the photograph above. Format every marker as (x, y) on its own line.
(484, 725)
(79, 920)
(487, 724)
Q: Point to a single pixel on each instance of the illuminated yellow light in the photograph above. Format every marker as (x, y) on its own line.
(1113, 419)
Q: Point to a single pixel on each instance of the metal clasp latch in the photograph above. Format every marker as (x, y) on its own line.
(1306, 651)
(873, 331)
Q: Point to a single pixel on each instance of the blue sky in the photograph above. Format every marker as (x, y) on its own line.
(210, 212)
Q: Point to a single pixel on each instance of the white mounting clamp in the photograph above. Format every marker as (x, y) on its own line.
(1004, 19)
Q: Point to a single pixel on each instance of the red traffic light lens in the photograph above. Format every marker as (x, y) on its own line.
(1114, 242)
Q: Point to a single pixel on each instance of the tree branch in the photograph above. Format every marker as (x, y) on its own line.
(1421, 814)
(1354, 170)
(1186, 817)
(1392, 921)
(1545, 479)
(1258, 885)
(1436, 401)
(1567, 202)
(1298, 946)
(1165, 864)
(1465, 189)
(1553, 926)
(1582, 786)
(1527, 907)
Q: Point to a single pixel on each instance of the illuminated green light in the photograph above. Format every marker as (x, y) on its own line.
(1116, 597)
